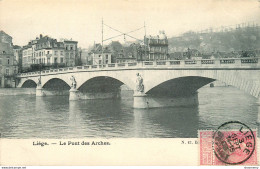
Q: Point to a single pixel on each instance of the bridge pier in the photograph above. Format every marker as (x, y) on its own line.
(142, 101)
(93, 96)
(74, 94)
(39, 91)
(77, 95)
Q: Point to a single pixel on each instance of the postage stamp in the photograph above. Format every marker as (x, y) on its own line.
(233, 143)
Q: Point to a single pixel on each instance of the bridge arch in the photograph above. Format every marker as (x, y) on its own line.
(180, 86)
(56, 84)
(158, 83)
(100, 84)
(106, 77)
(29, 83)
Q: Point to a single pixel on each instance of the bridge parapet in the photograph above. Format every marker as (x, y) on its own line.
(233, 63)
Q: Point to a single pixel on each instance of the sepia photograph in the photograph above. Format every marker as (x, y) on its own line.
(103, 77)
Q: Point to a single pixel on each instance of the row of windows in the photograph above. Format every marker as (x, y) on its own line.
(70, 55)
(26, 59)
(158, 49)
(70, 47)
(158, 41)
(7, 71)
(29, 52)
(157, 57)
(47, 44)
(100, 62)
(38, 61)
(43, 53)
(100, 56)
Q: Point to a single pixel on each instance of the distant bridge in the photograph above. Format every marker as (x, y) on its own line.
(166, 83)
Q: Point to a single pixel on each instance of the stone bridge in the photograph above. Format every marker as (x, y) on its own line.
(161, 83)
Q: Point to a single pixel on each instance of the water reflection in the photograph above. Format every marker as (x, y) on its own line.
(27, 116)
(167, 122)
(101, 118)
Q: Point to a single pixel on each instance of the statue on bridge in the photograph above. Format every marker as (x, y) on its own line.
(73, 82)
(139, 83)
(39, 84)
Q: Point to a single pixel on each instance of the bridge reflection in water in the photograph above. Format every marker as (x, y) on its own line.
(27, 116)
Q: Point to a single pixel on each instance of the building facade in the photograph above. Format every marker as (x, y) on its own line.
(128, 54)
(8, 65)
(18, 56)
(156, 47)
(47, 51)
(70, 52)
(27, 56)
(100, 56)
(84, 56)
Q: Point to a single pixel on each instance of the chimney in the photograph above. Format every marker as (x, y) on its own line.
(40, 36)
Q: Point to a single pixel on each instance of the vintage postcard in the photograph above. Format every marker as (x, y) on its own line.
(129, 82)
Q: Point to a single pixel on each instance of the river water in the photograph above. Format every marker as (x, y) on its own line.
(22, 115)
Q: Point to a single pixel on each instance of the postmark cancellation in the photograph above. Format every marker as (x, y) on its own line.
(233, 143)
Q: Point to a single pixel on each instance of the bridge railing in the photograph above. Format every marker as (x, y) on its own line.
(212, 63)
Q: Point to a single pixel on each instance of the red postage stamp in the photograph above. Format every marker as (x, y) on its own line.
(233, 143)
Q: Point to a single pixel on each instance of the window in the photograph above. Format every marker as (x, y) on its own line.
(99, 62)
(55, 53)
(7, 71)
(8, 61)
(61, 60)
(55, 60)
(48, 52)
(48, 60)
(71, 47)
(61, 53)
(106, 56)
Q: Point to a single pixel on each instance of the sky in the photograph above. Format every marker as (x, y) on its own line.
(81, 20)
